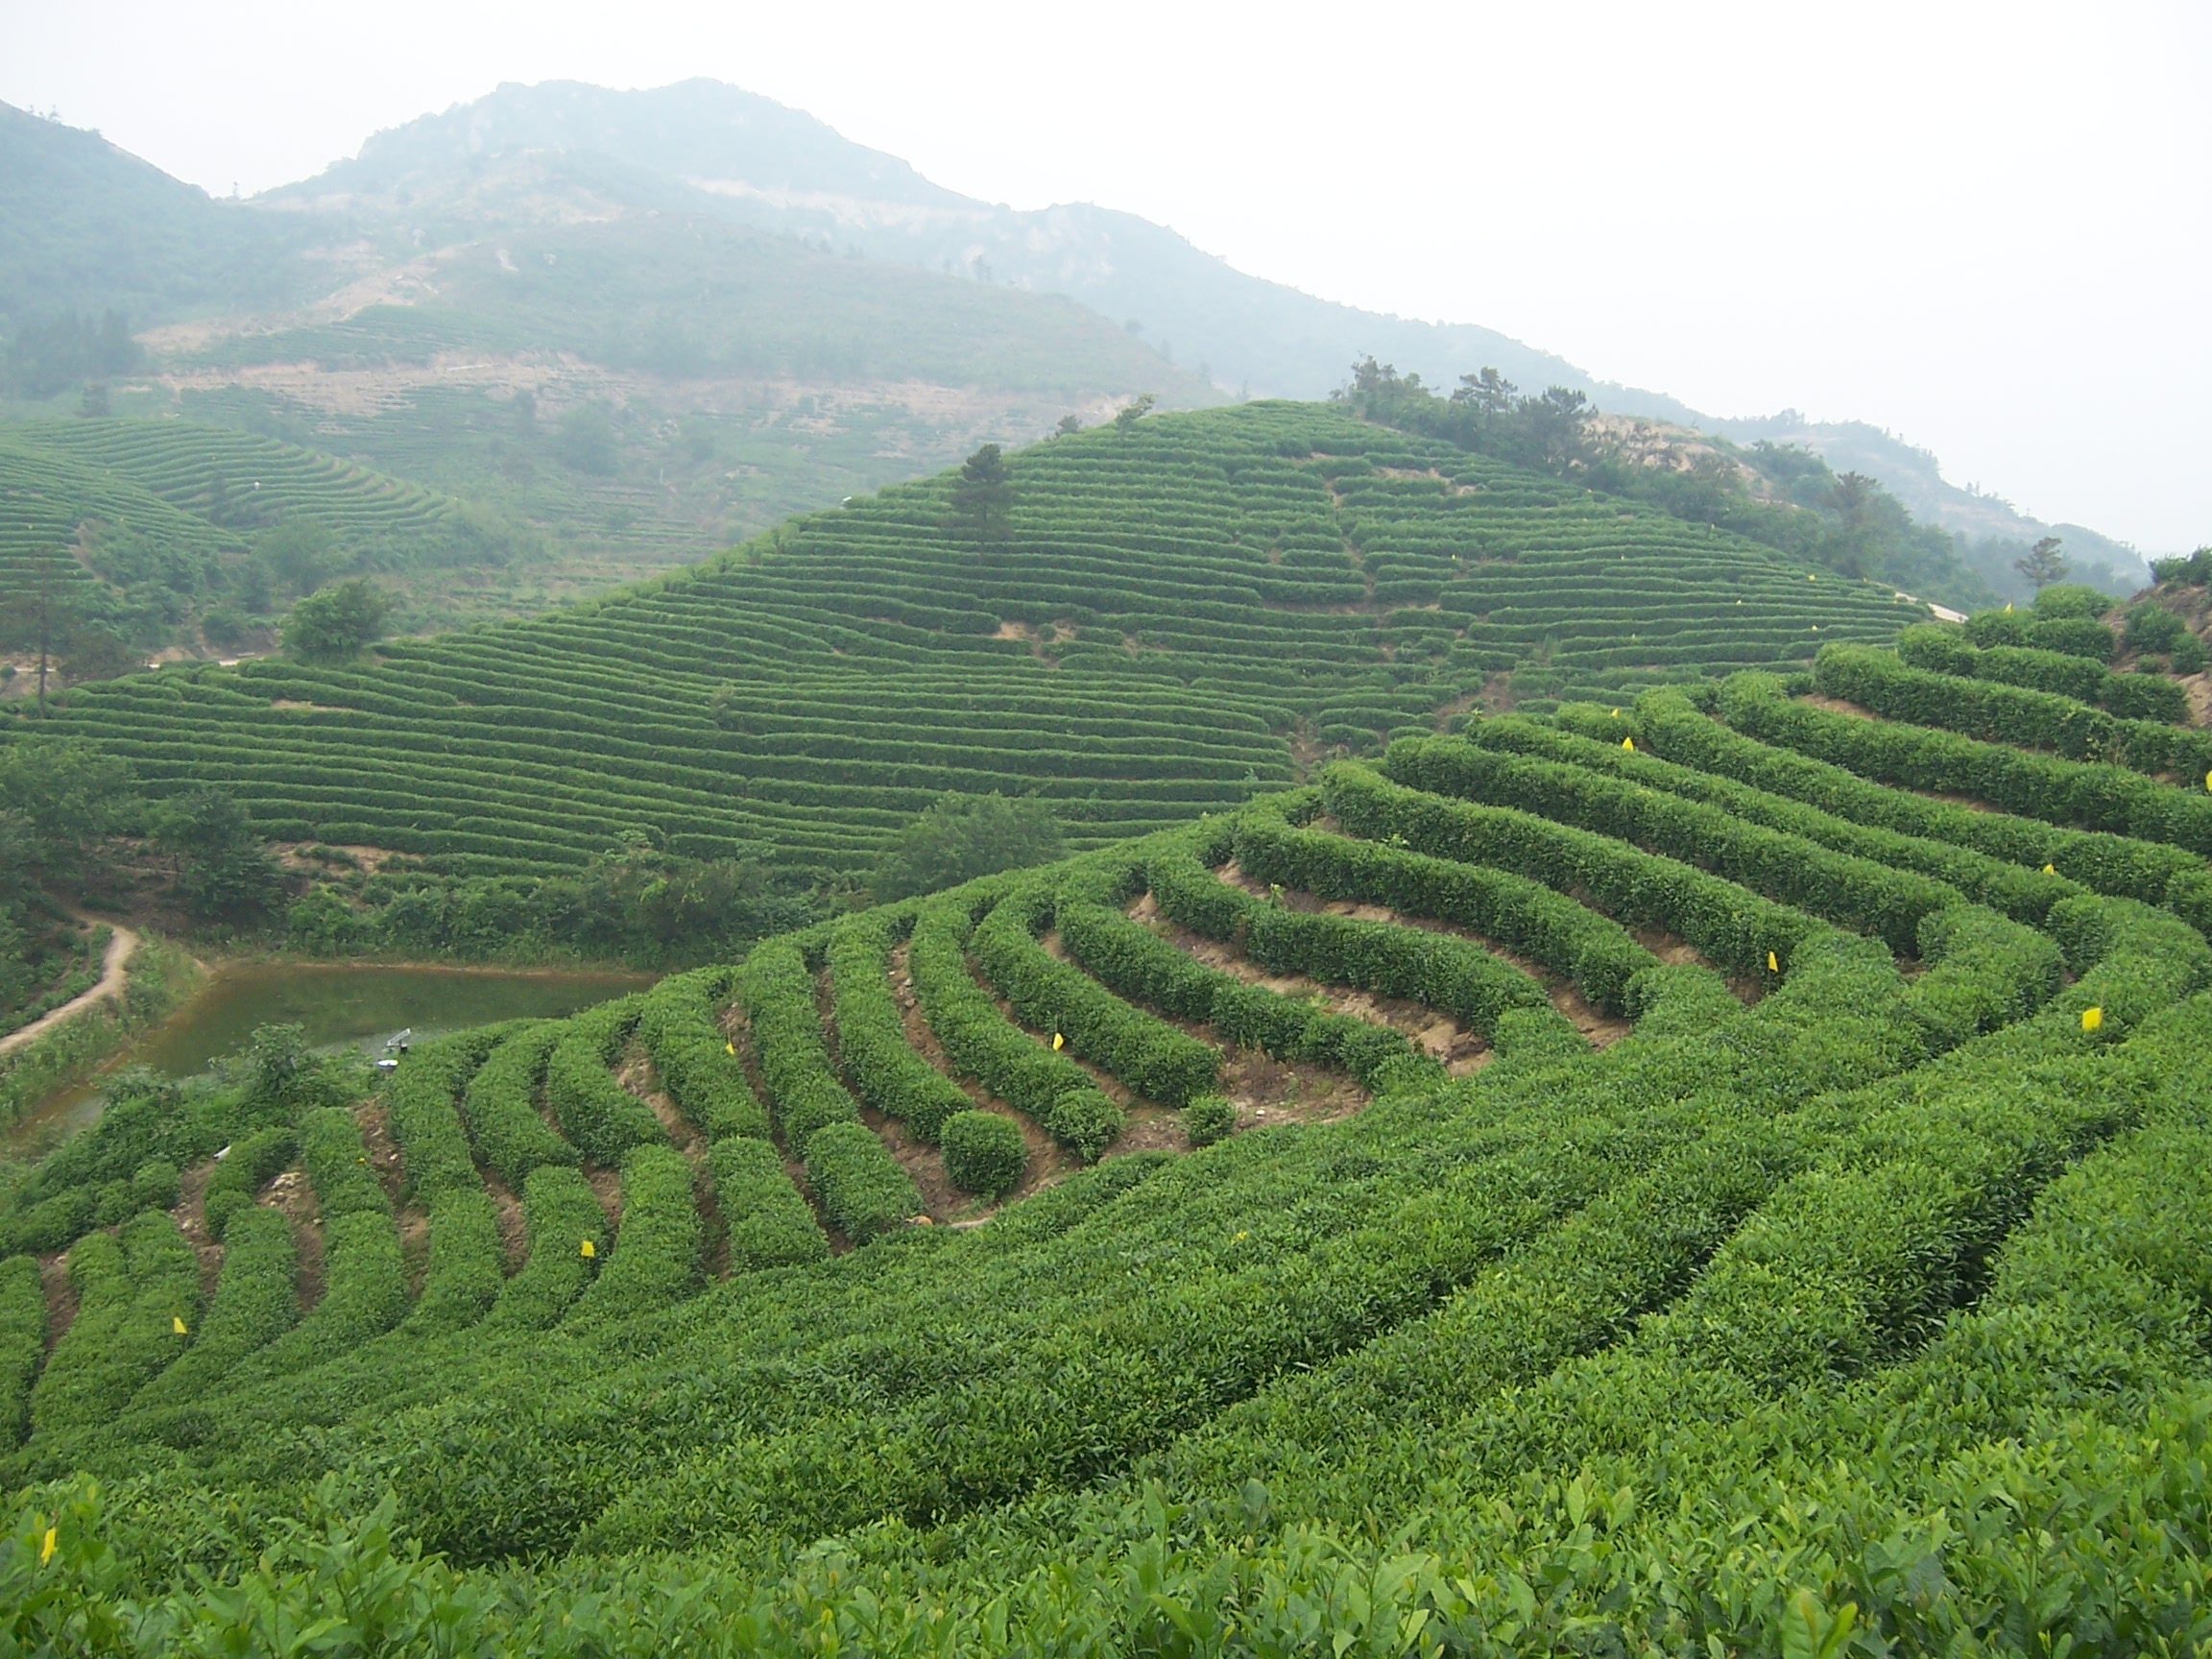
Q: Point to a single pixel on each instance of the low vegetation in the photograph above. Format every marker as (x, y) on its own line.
(1576, 1179)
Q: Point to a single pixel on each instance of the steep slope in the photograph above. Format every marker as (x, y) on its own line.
(1682, 1196)
(85, 226)
(1162, 617)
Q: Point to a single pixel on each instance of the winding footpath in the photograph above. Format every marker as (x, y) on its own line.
(122, 946)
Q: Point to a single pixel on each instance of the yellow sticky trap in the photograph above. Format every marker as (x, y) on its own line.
(46, 1547)
(588, 1249)
(177, 1325)
(728, 1048)
(1629, 744)
(1810, 577)
(2007, 605)
(1616, 714)
(2050, 869)
(2208, 780)
(1058, 1042)
(2092, 1018)
(1772, 965)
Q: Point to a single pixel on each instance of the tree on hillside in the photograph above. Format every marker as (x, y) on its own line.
(42, 612)
(225, 874)
(60, 800)
(1125, 418)
(299, 555)
(960, 838)
(983, 496)
(337, 624)
(2042, 563)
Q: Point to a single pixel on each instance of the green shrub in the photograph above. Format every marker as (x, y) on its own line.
(467, 1266)
(500, 1107)
(1209, 1118)
(246, 1166)
(862, 1189)
(765, 1220)
(779, 994)
(22, 1343)
(1084, 1120)
(421, 1106)
(696, 1063)
(655, 1258)
(155, 1185)
(985, 1045)
(560, 1213)
(984, 1153)
(1146, 1054)
(872, 1034)
(600, 1118)
(133, 1292)
(256, 1301)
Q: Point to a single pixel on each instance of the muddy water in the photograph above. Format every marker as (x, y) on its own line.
(338, 1004)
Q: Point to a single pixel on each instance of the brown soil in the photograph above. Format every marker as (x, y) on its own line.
(291, 1195)
(2198, 688)
(384, 1162)
(1834, 706)
(61, 1297)
(607, 1187)
(191, 1220)
(636, 1073)
(514, 1236)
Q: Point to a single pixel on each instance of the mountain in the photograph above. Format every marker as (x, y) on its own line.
(85, 227)
(713, 147)
(626, 328)
(1991, 531)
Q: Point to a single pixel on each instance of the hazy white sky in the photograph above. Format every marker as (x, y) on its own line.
(1987, 227)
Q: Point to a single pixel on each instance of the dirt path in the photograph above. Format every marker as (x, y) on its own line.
(122, 946)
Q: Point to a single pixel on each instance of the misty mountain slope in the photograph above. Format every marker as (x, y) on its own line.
(85, 226)
(1990, 530)
(755, 160)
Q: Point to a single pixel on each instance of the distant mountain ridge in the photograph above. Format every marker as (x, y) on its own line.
(715, 148)
(593, 245)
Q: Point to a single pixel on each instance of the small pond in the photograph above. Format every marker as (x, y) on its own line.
(338, 1004)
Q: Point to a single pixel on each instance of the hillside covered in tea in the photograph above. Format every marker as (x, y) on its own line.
(1728, 1171)
(1136, 624)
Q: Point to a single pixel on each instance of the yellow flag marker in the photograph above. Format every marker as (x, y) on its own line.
(2092, 1018)
(1628, 743)
(2050, 869)
(1772, 965)
(177, 1325)
(46, 1548)
(588, 1248)
(728, 1048)
(1058, 1042)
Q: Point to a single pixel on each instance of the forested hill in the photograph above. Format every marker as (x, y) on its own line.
(1136, 624)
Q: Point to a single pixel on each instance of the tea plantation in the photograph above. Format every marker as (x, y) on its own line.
(1719, 1173)
(1162, 618)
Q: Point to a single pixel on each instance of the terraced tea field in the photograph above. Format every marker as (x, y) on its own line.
(1171, 618)
(1724, 1172)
